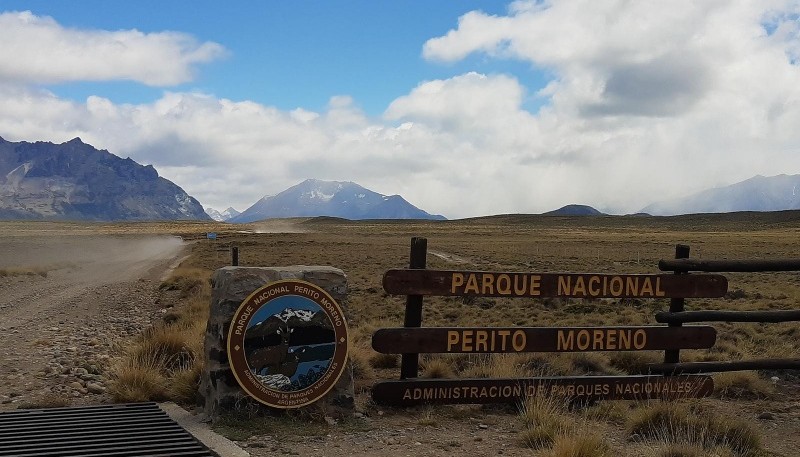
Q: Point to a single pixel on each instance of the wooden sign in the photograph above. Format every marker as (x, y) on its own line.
(540, 339)
(583, 388)
(577, 285)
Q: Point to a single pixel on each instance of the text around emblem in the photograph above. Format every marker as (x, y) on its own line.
(287, 344)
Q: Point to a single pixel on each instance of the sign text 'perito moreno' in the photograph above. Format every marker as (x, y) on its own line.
(576, 285)
(540, 339)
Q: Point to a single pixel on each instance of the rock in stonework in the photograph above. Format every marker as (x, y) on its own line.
(230, 287)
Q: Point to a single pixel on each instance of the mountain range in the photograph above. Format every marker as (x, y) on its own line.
(344, 199)
(759, 193)
(73, 180)
(223, 216)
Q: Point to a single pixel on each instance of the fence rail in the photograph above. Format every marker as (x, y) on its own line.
(671, 379)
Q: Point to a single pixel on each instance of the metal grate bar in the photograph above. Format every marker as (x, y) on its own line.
(138, 429)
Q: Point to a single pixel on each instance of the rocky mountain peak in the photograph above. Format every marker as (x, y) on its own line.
(73, 180)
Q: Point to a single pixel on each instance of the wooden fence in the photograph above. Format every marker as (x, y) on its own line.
(671, 379)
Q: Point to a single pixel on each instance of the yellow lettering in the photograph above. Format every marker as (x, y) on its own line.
(632, 286)
(452, 339)
(488, 284)
(504, 334)
(536, 285)
(639, 339)
(466, 340)
(659, 291)
(504, 284)
(580, 287)
(456, 281)
(564, 285)
(481, 337)
(520, 284)
(565, 342)
(519, 340)
(625, 339)
(617, 286)
(594, 286)
(598, 340)
(611, 340)
(583, 340)
(647, 287)
(472, 284)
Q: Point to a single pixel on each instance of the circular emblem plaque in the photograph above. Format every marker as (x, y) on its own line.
(287, 344)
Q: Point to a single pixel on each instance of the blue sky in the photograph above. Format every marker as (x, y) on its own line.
(465, 108)
(289, 54)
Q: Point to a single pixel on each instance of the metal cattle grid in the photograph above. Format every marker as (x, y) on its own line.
(137, 429)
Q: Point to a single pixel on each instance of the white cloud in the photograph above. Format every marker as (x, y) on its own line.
(36, 49)
(650, 100)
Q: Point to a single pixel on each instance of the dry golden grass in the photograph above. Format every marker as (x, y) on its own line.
(584, 444)
(366, 249)
(165, 361)
(679, 423)
(544, 418)
(437, 368)
(742, 384)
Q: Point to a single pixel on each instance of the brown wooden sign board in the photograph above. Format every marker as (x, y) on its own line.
(583, 388)
(577, 285)
(540, 339)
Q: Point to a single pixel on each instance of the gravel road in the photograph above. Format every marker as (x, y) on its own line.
(57, 331)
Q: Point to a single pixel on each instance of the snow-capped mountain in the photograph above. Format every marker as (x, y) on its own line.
(347, 200)
(759, 193)
(223, 216)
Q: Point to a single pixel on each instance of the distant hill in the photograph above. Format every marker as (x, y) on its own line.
(75, 181)
(574, 210)
(223, 216)
(347, 200)
(759, 193)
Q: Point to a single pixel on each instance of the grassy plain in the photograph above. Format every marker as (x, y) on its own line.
(364, 250)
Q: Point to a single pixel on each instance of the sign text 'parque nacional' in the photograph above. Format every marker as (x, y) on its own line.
(540, 339)
(287, 344)
(577, 285)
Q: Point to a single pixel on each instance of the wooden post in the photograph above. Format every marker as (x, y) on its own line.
(676, 305)
(409, 364)
(234, 256)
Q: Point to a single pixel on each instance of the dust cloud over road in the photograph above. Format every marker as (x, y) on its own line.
(76, 286)
(88, 260)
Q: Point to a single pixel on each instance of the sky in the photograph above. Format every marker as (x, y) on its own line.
(465, 108)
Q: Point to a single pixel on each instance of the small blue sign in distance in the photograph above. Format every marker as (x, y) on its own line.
(211, 235)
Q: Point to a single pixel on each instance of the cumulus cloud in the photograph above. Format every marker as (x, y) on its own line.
(648, 101)
(36, 49)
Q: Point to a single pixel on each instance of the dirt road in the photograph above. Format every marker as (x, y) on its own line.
(66, 301)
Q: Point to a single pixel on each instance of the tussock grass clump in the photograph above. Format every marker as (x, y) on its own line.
(615, 412)
(437, 368)
(363, 373)
(137, 379)
(580, 445)
(384, 361)
(165, 361)
(190, 281)
(632, 362)
(497, 366)
(742, 384)
(677, 423)
(427, 419)
(543, 419)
